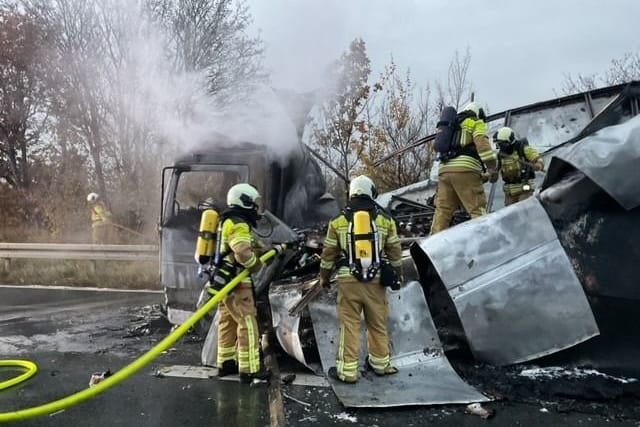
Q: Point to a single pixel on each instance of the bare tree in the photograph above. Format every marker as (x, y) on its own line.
(458, 88)
(403, 115)
(340, 129)
(579, 83)
(403, 121)
(128, 76)
(211, 36)
(22, 94)
(77, 79)
(621, 70)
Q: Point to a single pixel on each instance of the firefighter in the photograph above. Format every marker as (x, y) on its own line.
(461, 176)
(359, 282)
(100, 220)
(518, 162)
(238, 335)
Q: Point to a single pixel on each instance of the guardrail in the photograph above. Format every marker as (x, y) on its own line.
(76, 251)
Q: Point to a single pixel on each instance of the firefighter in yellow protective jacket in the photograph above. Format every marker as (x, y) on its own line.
(461, 176)
(359, 278)
(518, 163)
(100, 220)
(238, 335)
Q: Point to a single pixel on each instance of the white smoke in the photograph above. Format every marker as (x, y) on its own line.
(261, 119)
(176, 107)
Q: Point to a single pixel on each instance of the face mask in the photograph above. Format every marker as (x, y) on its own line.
(505, 147)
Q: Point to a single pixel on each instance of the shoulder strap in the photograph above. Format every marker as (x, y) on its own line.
(347, 212)
(219, 255)
(520, 148)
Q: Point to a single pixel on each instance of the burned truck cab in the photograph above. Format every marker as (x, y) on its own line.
(292, 189)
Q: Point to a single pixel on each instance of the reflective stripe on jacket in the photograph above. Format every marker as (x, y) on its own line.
(510, 169)
(236, 235)
(336, 243)
(100, 215)
(472, 132)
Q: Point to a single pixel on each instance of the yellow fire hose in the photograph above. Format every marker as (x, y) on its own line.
(30, 369)
(122, 374)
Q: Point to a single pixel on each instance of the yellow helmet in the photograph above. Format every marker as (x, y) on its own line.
(362, 186)
(476, 109)
(243, 196)
(505, 135)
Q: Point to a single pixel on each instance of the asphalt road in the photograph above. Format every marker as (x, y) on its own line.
(71, 334)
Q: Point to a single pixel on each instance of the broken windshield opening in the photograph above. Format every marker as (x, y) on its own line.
(197, 186)
(199, 183)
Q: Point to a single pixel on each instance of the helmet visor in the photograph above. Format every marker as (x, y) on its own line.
(250, 203)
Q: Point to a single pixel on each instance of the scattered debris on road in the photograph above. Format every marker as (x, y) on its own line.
(477, 409)
(98, 377)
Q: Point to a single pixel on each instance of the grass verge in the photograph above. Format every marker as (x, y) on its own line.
(100, 274)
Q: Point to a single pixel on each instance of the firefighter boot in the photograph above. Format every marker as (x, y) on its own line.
(261, 376)
(348, 379)
(387, 370)
(229, 367)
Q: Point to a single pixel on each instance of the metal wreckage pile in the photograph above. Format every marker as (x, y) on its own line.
(554, 274)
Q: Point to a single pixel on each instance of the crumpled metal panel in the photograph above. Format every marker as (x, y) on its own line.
(425, 376)
(209, 353)
(286, 327)
(610, 158)
(590, 227)
(512, 284)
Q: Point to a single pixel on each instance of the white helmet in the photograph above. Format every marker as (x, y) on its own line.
(362, 186)
(243, 196)
(476, 109)
(505, 134)
(92, 197)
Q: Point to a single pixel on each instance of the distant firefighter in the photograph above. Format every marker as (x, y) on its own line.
(517, 162)
(100, 220)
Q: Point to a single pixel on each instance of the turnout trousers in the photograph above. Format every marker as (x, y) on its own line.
(511, 199)
(356, 299)
(456, 189)
(238, 330)
(101, 233)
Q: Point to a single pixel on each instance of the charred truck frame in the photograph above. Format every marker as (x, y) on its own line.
(293, 190)
(536, 278)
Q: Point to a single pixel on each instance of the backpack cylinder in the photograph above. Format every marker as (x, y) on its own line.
(363, 245)
(446, 143)
(205, 246)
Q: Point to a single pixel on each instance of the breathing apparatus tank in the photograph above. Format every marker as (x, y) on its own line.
(364, 246)
(206, 244)
(362, 241)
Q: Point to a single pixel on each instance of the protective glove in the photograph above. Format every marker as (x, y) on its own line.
(485, 177)
(493, 176)
(398, 279)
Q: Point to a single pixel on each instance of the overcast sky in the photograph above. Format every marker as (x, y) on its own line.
(520, 48)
